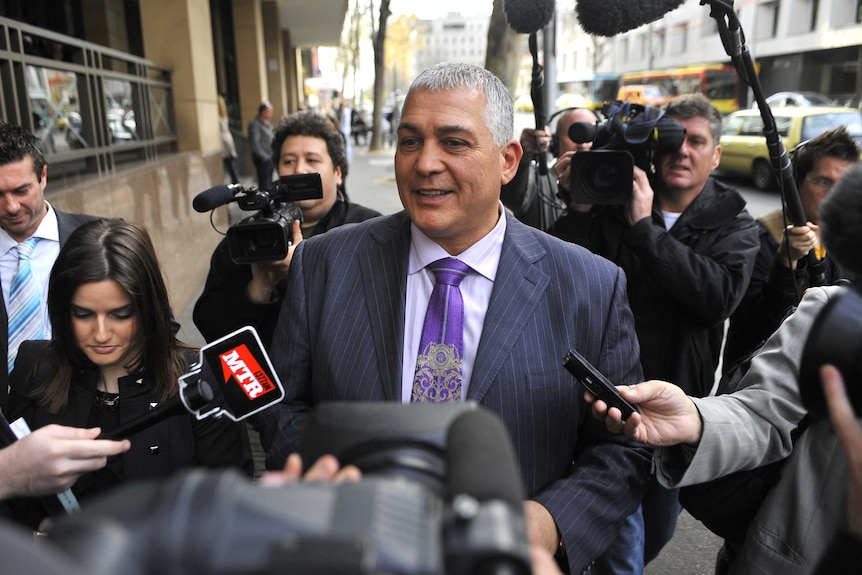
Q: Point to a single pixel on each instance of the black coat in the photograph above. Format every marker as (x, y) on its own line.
(158, 451)
(224, 305)
(682, 283)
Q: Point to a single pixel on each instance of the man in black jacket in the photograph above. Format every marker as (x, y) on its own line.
(688, 247)
(237, 295)
(780, 272)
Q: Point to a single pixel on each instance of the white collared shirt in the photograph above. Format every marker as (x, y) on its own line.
(41, 261)
(483, 257)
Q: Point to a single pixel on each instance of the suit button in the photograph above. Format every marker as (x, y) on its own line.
(154, 450)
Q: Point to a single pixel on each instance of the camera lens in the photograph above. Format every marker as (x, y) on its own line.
(604, 177)
(265, 239)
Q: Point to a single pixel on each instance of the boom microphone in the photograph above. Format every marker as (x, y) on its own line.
(528, 16)
(214, 197)
(612, 17)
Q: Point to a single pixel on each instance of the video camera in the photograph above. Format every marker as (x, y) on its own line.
(630, 136)
(441, 493)
(265, 236)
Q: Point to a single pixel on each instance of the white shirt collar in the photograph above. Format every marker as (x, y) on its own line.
(48, 229)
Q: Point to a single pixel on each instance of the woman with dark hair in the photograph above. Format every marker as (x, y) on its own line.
(113, 356)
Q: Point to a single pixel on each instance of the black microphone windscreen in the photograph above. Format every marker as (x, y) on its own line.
(212, 198)
(481, 459)
(612, 17)
(528, 16)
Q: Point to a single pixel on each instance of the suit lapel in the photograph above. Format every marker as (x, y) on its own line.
(518, 288)
(384, 279)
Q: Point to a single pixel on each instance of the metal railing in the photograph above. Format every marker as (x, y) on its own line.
(93, 107)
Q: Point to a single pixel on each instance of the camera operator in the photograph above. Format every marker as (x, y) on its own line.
(237, 295)
(687, 246)
(532, 197)
(780, 275)
(701, 439)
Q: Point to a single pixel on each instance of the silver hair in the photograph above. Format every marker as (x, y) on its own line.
(499, 114)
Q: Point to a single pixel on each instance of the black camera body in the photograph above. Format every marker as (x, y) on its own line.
(630, 136)
(266, 236)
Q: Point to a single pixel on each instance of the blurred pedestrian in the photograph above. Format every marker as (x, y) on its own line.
(228, 146)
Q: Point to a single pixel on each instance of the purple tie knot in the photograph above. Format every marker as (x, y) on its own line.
(449, 271)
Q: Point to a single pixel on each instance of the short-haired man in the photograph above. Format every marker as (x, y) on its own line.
(535, 198)
(238, 295)
(687, 245)
(352, 326)
(259, 141)
(26, 218)
(780, 274)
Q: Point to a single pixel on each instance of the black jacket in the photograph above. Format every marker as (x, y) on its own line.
(164, 448)
(224, 305)
(682, 283)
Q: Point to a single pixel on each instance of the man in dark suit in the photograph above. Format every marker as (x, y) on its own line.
(358, 295)
(24, 213)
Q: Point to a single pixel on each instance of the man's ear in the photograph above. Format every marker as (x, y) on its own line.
(511, 155)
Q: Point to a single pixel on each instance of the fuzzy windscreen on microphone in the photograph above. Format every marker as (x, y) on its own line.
(612, 17)
(528, 16)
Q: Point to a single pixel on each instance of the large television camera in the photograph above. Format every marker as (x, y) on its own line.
(441, 493)
(266, 235)
(631, 135)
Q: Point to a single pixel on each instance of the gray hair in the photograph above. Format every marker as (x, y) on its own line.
(499, 114)
(688, 106)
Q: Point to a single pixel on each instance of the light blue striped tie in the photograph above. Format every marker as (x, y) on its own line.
(25, 303)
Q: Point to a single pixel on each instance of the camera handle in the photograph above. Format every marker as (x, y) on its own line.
(733, 40)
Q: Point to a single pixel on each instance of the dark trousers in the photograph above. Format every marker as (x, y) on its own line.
(229, 165)
(264, 172)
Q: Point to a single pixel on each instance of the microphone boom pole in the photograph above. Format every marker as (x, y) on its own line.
(537, 95)
(733, 40)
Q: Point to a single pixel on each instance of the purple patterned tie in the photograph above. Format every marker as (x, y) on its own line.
(438, 365)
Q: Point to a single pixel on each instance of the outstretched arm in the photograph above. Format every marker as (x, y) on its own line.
(52, 458)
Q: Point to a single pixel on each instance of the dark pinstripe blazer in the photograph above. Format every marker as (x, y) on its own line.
(66, 224)
(340, 337)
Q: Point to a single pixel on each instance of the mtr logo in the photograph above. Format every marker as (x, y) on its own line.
(242, 365)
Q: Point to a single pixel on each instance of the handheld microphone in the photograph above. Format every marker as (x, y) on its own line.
(489, 528)
(612, 17)
(528, 16)
(216, 196)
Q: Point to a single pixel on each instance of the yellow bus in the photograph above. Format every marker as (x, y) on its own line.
(718, 82)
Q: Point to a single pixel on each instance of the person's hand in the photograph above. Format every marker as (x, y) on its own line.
(534, 141)
(266, 275)
(326, 468)
(849, 432)
(52, 458)
(543, 561)
(799, 241)
(640, 204)
(667, 415)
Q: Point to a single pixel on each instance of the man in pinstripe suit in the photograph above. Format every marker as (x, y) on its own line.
(350, 327)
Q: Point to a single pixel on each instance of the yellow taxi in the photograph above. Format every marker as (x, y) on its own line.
(743, 146)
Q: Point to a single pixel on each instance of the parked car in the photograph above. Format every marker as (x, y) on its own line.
(781, 99)
(743, 146)
(565, 100)
(524, 103)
